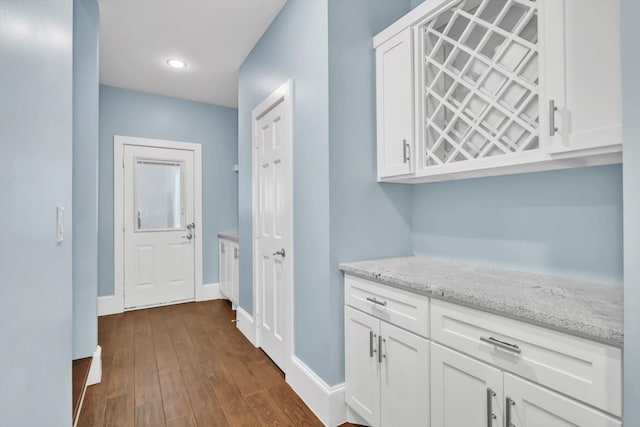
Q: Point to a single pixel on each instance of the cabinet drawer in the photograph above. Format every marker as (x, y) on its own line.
(405, 309)
(583, 369)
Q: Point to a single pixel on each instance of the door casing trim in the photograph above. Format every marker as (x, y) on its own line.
(116, 303)
(284, 95)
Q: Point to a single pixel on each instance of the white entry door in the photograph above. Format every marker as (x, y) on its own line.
(273, 224)
(159, 229)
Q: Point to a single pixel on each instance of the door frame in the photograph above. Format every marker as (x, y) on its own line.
(282, 95)
(119, 142)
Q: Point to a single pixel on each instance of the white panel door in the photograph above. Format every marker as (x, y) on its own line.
(404, 380)
(394, 91)
(584, 86)
(362, 366)
(159, 250)
(464, 391)
(530, 405)
(273, 240)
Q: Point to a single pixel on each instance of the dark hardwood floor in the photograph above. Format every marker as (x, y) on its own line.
(187, 365)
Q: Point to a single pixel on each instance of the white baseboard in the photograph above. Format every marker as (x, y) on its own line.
(246, 325)
(208, 292)
(109, 305)
(95, 371)
(354, 418)
(327, 402)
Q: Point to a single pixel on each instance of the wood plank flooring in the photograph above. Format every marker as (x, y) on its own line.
(183, 366)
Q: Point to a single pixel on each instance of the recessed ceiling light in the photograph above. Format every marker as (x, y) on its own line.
(176, 63)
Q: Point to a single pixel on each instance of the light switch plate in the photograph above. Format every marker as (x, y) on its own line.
(59, 224)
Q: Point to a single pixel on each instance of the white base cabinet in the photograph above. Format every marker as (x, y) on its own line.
(530, 405)
(387, 372)
(464, 391)
(470, 393)
(228, 264)
(411, 360)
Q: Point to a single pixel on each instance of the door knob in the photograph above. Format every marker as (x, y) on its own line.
(280, 252)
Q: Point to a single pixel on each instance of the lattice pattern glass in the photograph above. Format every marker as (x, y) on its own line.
(481, 80)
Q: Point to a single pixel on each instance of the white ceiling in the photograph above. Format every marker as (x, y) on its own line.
(212, 36)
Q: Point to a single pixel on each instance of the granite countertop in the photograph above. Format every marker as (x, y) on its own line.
(586, 309)
(229, 235)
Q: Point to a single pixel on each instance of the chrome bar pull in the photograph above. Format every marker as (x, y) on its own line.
(552, 117)
(502, 344)
(235, 253)
(375, 301)
(490, 415)
(509, 403)
(405, 151)
(380, 341)
(371, 337)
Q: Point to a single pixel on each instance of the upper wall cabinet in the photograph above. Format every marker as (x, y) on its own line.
(394, 63)
(486, 87)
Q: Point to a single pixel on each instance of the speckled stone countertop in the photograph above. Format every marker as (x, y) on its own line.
(580, 308)
(229, 235)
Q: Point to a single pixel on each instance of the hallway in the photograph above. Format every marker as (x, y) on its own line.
(187, 365)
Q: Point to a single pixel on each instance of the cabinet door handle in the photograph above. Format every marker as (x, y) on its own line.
(375, 301)
(552, 117)
(371, 338)
(380, 355)
(235, 253)
(509, 403)
(405, 151)
(490, 415)
(504, 345)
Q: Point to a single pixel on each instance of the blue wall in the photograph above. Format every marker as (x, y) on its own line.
(35, 177)
(295, 46)
(85, 177)
(566, 223)
(333, 157)
(368, 220)
(631, 137)
(131, 113)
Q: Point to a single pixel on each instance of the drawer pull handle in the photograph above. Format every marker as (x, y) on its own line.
(490, 415)
(375, 301)
(505, 345)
